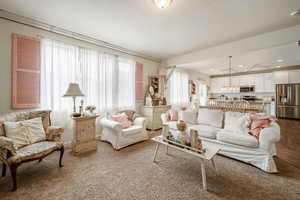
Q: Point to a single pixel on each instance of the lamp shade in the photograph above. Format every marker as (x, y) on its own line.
(73, 91)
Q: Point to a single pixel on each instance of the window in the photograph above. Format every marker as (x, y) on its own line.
(203, 93)
(126, 85)
(107, 81)
(179, 88)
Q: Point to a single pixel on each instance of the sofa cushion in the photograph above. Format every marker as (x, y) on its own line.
(211, 117)
(238, 139)
(236, 122)
(205, 131)
(188, 116)
(34, 151)
(132, 130)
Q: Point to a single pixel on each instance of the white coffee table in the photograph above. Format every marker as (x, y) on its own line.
(208, 155)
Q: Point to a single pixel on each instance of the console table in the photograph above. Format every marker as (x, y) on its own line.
(84, 134)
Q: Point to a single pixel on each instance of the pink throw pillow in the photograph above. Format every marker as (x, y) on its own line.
(257, 124)
(172, 115)
(122, 119)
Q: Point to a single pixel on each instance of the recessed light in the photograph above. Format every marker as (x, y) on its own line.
(296, 12)
(280, 60)
(241, 65)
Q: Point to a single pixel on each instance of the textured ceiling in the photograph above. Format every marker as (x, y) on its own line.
(263, 59)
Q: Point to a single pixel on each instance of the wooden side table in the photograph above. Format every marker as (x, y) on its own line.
(84, 134)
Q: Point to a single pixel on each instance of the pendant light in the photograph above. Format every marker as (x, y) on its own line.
(230, 88)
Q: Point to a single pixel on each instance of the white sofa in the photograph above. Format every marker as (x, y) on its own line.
(220, 129)
(112, 132)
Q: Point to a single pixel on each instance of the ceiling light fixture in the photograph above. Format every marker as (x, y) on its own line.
(230, 88)
(162, 3)
(280, 60)
(297, 12)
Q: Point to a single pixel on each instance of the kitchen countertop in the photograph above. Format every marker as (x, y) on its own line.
(260, 102)
(250, 101)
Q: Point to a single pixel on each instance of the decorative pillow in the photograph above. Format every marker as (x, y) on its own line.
(259, 123)
(172, 115)
(211, 117)
(17, 133)
(122, 119)
(188, 116)
(25, 132)
(237, 122)
(36, 129)
(131, 114)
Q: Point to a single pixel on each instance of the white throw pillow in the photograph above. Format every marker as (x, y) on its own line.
(188, 116)
(17, 133)
(236, 122)
(211, 117)
(25, 132)
(36, 129)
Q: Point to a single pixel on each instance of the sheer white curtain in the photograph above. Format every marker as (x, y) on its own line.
(179, 88)
(126, 88)
(108, 82)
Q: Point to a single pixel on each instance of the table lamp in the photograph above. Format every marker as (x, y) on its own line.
(73, 91)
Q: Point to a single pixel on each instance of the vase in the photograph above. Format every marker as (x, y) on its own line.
(181, 126)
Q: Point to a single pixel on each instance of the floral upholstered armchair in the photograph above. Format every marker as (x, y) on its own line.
(13, 157)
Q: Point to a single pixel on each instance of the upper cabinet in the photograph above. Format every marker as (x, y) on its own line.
(294, 76)
(269, 85)
(259, 82)
(281, 77)
(264, 82)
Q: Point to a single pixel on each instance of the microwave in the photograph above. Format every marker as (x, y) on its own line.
(247, 89)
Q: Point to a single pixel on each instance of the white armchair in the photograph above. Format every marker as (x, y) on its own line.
(113, 133)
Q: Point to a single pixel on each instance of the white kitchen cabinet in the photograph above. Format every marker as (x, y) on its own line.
(294, 76)
(213, 85)
(281, 77)
(251, 79)
(259, 82)
(244, 80)
(219, 84)
(269, 85)
(235, 81)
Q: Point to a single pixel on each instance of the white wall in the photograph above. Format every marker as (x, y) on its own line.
(9, 27)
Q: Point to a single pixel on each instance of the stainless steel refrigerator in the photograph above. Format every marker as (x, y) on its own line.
(288, 101)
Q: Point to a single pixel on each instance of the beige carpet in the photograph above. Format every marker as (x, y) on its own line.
(131, 174)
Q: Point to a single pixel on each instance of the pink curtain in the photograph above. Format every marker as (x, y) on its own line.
(139, 83)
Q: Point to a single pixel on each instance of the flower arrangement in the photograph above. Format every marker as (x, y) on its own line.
(90, 109)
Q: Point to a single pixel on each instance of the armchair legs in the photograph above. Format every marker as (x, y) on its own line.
(3, 169)
(13, 168)
(13, 171)
(62, 150)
